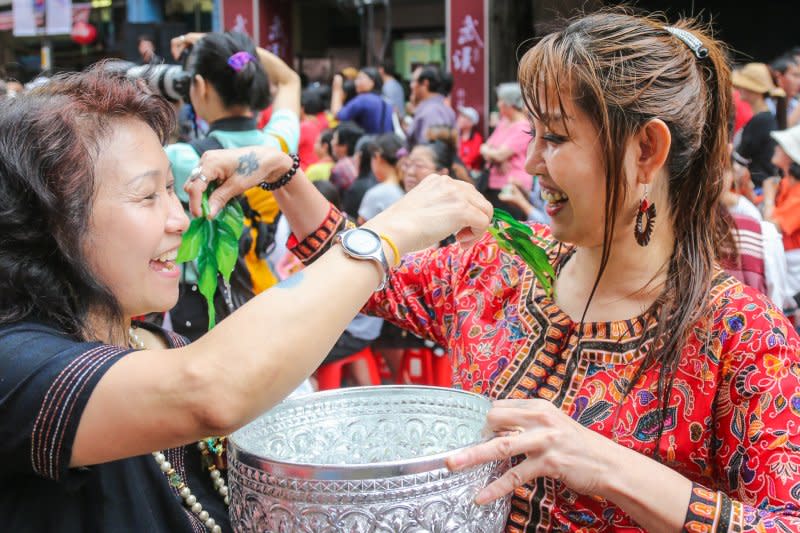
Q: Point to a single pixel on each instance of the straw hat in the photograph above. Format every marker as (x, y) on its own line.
(756, 77)
(789, 140)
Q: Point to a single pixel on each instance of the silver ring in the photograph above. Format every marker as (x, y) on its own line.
(195, 173)
(203, 178)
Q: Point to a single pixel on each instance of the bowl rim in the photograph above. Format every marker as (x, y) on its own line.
(339, 472)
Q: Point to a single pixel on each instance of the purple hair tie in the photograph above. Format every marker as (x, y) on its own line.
(238, 60)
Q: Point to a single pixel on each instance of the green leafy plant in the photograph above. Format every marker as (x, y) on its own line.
(516, 238)
(214, 243)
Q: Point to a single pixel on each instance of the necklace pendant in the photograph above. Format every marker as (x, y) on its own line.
(175, 480)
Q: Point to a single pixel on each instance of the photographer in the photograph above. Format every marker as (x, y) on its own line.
(230, 82)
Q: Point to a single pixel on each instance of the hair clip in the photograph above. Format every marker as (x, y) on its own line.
(238, 60)
(694, 44)
(401, 152)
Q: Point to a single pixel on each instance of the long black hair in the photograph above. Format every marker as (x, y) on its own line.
(209, 59)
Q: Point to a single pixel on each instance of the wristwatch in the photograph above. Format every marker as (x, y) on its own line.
(365, 244)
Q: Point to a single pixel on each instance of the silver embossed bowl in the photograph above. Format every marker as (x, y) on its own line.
(365, 459)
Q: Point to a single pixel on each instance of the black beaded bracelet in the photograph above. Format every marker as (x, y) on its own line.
(286, 178)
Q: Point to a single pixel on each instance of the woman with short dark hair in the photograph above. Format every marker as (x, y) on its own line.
(105, 421)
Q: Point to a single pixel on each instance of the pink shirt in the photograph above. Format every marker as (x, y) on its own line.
(512, 135)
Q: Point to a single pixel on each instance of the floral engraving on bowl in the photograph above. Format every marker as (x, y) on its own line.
(435, 502)
(283, 476)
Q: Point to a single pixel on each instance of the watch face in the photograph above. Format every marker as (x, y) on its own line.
(362, 242)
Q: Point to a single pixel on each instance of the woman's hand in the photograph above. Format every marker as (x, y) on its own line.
(435, 209)
(554, 445)
(516, 197)
(236, 170)
(178, 44)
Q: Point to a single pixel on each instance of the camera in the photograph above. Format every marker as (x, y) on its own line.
(170, 81)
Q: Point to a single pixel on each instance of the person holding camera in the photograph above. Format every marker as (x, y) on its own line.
(230, 82)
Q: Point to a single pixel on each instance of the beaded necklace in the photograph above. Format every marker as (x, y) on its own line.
(213, 452)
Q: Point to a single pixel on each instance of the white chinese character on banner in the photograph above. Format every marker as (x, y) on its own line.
(469, 48)
(461, 97)
(241, 24)
(275, 37)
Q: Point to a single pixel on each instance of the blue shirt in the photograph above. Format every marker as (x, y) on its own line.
(370, 112)
(393, 91)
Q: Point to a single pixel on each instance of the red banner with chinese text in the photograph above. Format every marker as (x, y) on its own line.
(238, 15)
(275, 28)
(468, 48)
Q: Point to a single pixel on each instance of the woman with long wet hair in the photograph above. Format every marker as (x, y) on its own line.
(649, 390)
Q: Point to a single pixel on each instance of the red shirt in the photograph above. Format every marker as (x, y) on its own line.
(470, 151)
(732, 415)
(742, 112)
(309, 132)
(263, 118)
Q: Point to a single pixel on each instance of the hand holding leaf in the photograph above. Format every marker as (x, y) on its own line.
(214, 243)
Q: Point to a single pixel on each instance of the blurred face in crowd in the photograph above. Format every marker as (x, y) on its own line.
(146, 49)
(364, 83)
(463, 124)
(505, 109)
(136, 221)
(377, 166)
(781, 160)
(749, 96)
(321, 150)
(789, 81)
(418, 91)
(339, 150)
(419, 165)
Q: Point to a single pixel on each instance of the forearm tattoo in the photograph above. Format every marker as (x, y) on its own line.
(247, 164)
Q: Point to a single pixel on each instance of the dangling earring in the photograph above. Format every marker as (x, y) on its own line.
(643, 229)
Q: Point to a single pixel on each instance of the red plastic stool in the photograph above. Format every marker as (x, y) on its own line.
(329, 375)
(384, 371)
(422, 366)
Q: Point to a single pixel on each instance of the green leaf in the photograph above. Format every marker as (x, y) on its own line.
(499, 214)
(232, 216)
(226, 250)
(501, 241)
(519, 239)
(193, 239)
(505, 216)
(207, 282)
(204, 204)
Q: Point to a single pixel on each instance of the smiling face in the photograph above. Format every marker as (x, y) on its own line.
(565, 152)
(419, 165)
(136, 222)
(781, 160)
(789, 81)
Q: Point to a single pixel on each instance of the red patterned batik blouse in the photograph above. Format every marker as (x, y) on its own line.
(733, 424)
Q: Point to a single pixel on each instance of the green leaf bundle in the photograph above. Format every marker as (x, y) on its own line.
(516, 238)
(214, 244)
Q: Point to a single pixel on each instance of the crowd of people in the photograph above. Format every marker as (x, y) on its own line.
(660, 181)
